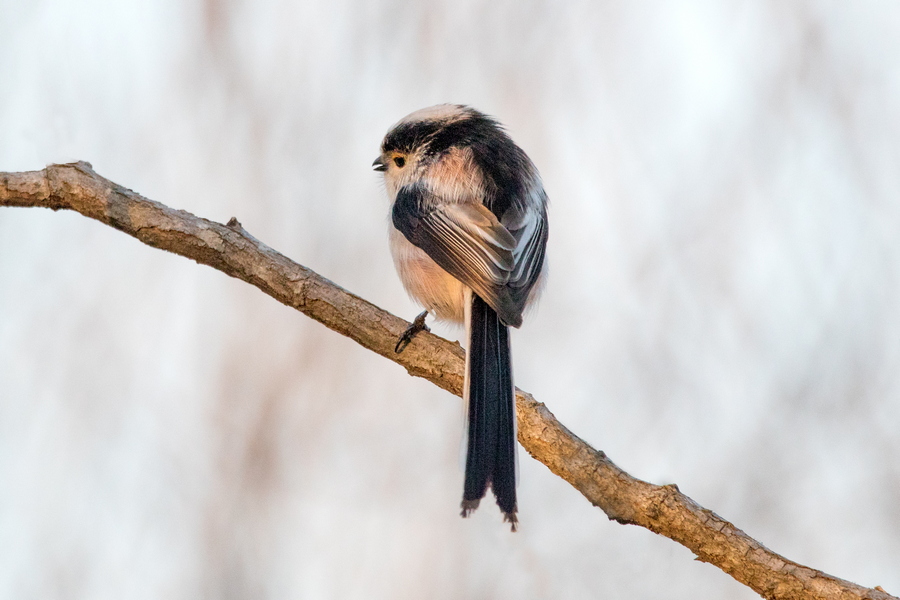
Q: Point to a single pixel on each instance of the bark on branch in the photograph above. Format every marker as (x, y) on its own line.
(228, 248)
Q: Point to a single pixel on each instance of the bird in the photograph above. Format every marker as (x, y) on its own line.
(468, 234)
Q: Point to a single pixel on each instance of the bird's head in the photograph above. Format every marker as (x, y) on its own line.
(419, 140)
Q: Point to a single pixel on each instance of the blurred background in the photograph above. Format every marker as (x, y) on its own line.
(722, 311)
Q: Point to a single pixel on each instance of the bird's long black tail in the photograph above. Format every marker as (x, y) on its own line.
(491, 451)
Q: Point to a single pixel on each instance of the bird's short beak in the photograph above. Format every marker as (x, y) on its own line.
(379, 165)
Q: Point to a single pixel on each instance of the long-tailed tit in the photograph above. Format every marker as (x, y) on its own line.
(469, 217)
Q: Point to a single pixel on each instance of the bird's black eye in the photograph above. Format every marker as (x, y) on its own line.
(399, 161)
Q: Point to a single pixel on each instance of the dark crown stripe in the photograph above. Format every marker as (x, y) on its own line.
(406, 137)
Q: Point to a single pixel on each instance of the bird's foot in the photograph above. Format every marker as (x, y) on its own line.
(418, 325)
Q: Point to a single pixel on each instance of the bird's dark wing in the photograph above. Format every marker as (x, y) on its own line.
(466, 240)
(529, 228)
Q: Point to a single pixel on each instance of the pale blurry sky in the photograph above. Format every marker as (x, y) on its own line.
(722, 308)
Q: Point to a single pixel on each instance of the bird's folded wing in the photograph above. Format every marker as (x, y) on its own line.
(529, 228)
(466, 240)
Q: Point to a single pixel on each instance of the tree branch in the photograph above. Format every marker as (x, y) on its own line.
(228, 248)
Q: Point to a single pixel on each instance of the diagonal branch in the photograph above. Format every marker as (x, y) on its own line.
(228, 248)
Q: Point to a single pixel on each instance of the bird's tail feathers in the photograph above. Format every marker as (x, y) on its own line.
(491, 415)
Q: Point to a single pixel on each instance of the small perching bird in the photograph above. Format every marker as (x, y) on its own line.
(469, 217)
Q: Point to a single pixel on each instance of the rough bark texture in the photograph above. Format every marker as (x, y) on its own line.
(661, 509)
